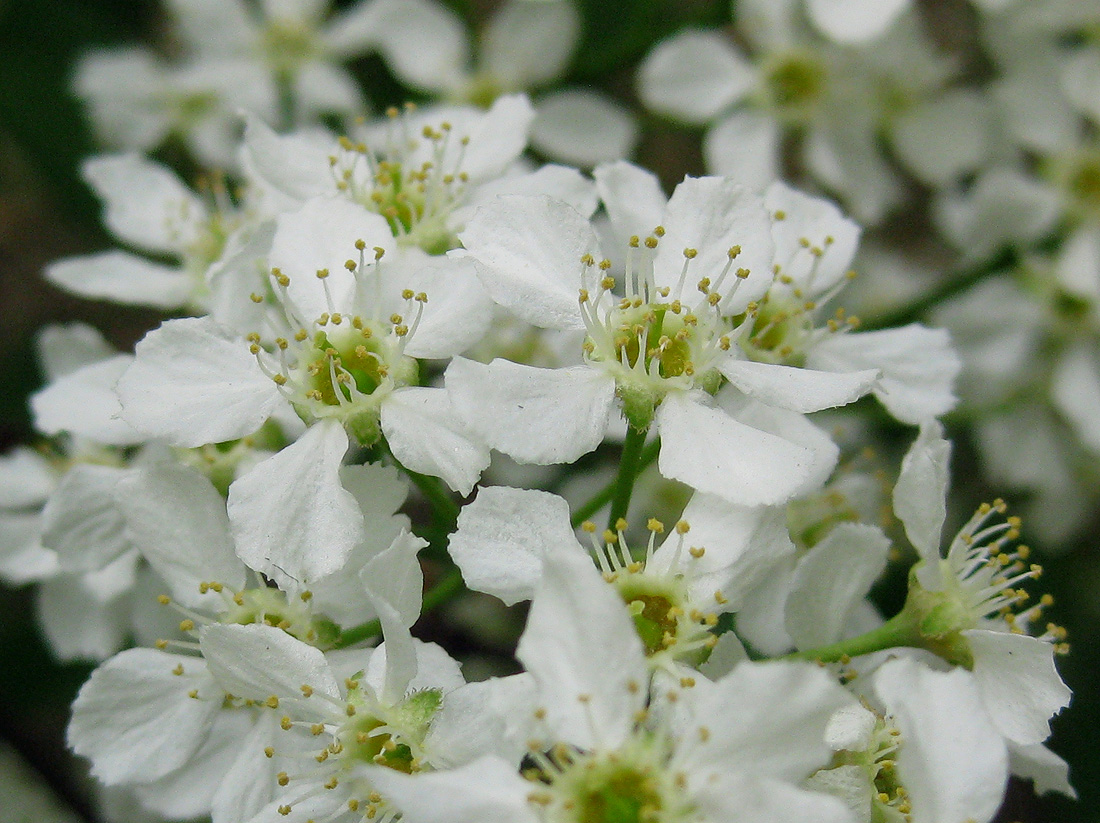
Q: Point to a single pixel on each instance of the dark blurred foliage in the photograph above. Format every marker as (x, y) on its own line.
(46, 212)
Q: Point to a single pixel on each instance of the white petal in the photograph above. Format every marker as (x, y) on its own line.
(633, 198)
(23, 558)
(503, 536)
(694, 75)
(26, 479)
(855, 21)
(790, 426)
(919, 497)
(288, 162)
(424, 43)
(458, 313)
(81, 522)
(533, 415)
(193, 382)
(147, 205)
(290, 516)
(80, 626)
(1081, 81)
(1038, 763)
(497, 137)
(712, 215)
(483, 718)
(741, 546)
(744, 146)
(353, 31)
(258, 661)
(249, 783)
(733, 798)
(489, 790)
(581, 646)
(322, 235)
(918, 367)
(1079, 263)
(529, 44)
(528, 251)
(766, 719)
(713, 453)
(188, 792)
(134, 719)
(951, 760)
(1075, 391)
(831, 580)
(428, 436)
(1020, 686)
(814, 242)
(945, 138)
(121, 277)
(64, 348)
(177, 520)
(559, 182)
(797, 389)
(394, 583)
(582, 127)
(84, 403)
(213, 26)
(321, 88)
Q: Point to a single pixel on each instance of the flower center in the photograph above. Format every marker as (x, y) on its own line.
(650, 339)
(632, 784)
(669, 625)
(793, 84)
(414, 186)
(980, 579)
(342, 365)
(286, 45)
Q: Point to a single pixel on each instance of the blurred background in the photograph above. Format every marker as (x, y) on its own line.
(46, 212)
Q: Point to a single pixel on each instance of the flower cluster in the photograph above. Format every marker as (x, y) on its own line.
(407, 370)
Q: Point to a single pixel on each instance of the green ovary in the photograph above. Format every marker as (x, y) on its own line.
(270, 607)
(794, 83)
(623, 796)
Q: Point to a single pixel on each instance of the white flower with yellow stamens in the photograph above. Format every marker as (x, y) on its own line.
(663, 348)
(148, 207)
(673, 591)
(425, 171)
(603, 748)
(968, 605)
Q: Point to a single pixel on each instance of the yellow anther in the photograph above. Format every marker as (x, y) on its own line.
(655, 525)
(187, 625)
(697, 551)
(690, 253)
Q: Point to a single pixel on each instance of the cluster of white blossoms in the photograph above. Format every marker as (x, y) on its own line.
(403, 361)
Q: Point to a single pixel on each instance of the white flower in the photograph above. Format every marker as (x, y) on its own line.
(424, 171)
(660, 350)
(525, 46)
(341, 330)
(674, 592)
(148, 207)
(931, 756)
(795, 84)
(136, 101)
(732, 750)
(964, 603)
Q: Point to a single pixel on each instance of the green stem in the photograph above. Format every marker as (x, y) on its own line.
(357, 634)
(951, 286)
(444, 508)
(899, 630)
(447, 587)
(604, 495)
(629, 468)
